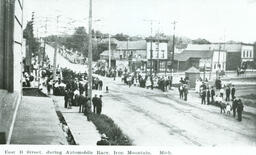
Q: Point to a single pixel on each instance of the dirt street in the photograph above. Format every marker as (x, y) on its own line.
(161, 119)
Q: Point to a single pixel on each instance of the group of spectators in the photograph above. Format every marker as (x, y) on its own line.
(222, 95)
(145, 81)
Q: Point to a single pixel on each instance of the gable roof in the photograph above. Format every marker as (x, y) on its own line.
(186, 54)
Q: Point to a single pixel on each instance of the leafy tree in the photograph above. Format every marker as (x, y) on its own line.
(200, 41)
(31, 40)
(121, 37)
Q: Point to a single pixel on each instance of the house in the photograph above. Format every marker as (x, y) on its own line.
(159, 54)
(237, 53)
(127, 54)
(11, 42)
(211, 60)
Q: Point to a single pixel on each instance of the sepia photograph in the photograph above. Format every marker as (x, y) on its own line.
(147, 73)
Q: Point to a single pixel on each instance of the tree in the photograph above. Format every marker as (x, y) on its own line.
(121, 37)
(200, 41)
(31, 40)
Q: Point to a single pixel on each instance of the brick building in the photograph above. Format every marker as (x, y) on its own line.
(11, 36)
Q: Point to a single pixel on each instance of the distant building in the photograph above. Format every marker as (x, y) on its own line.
(211, 60)
(127, 54)
(237, 53)
(159, 54)
(11, 39)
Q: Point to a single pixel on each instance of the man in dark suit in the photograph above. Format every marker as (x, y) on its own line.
(234, 106)
(233, 91)
(99, 105)
(240, 108)
(66, 99)
(212, 94)
(227, 93)
(95, 103)
(82, 101)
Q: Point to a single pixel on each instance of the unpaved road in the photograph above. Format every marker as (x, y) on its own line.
(154, 118)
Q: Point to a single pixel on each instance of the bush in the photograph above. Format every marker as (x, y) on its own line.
(106, 125)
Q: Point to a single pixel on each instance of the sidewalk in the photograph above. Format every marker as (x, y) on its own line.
(83, 131)
(37, 123)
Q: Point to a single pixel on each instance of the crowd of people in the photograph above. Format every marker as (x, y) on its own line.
(146, 81)
(76, 94)
(222, 95)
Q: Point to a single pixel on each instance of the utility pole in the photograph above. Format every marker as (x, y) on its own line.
(151, 53)
(45, 32)
(90, 54)
(109, 51)
(55, 50)
(173, 43)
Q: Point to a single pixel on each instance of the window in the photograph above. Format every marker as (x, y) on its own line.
(243, 54)
(250, 54)
(247, 54)
(163, 54)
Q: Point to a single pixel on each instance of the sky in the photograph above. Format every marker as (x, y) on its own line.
(214, 20)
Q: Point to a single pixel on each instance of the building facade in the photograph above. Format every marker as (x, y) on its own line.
(159, 54)
(209, 60)
(237, 53)
(127, 54)
(11, 38)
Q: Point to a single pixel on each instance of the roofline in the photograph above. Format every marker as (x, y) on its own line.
(234, 43)
(154, 39)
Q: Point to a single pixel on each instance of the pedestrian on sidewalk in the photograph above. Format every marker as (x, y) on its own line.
(212, 94)
(82, 102)
(87, 108)
(95, 103)
(70, 96)
(99, 105)
(66, 99)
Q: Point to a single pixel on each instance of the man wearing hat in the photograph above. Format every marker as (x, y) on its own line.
(99, 105)
(240, 108)
(234, 106)
(104, 140)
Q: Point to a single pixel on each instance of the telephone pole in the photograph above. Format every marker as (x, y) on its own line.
(45, 32)
(109, 52)
(151, 53)
(173, 43)
(55, 50)
(90, 54)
